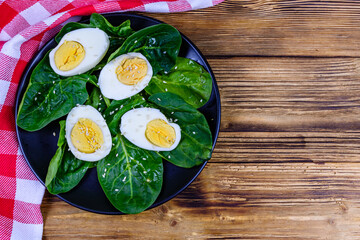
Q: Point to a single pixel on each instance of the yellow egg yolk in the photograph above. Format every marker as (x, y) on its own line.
(131, 70)
(69, 55)
(160, 133)
(86, 136)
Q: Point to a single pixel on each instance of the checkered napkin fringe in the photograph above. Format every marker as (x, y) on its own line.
(25, 25)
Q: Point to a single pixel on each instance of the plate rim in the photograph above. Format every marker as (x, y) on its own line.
(215, 91)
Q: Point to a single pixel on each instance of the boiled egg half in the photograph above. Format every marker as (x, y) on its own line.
(87, 134)
(79, 51)
(125, 76)
(149, 129)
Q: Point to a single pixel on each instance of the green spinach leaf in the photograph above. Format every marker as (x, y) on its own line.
(98, 21)
(123, 30)
(49, 96)
(131, 177)
(187, 79)
(97, 100)
(160, 44)
(65, 171)
(56, 160)
(195, 145)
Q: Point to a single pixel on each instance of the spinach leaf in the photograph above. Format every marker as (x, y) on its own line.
(187, 79)
(49, 96)
(195, 145)
(98, 21)
(131, 177)
(160, 44)
(117, 108)
(97, 100)
(123, 30)
(56, 160)
(65, 171)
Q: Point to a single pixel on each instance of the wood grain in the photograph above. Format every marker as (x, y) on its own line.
(287, 161)
(288, 109)
(273, 28)
(252, 201)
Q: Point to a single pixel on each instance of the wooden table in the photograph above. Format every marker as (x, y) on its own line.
(287, 161)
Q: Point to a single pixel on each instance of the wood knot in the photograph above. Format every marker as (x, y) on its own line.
(173, 223)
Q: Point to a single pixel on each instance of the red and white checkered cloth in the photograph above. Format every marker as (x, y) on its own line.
(25, 25)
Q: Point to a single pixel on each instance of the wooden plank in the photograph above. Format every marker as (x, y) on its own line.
(242, 201)
(288, 109)
(273, 28)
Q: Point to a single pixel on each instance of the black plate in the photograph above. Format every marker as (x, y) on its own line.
(40, 146)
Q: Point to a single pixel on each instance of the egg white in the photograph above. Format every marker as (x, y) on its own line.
(112, 88)
(133, 126)
(85, 111)
(95, 42)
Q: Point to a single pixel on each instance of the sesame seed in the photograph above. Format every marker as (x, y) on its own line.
(164, 81)
(35, 98)
(169, 156)
(144, 158)
(166, 90)
(158, 99)
(54, 134)
(201, 100)
(117, 155)
(54, 91)
(124, 179)
(194, 132)
(148, 180)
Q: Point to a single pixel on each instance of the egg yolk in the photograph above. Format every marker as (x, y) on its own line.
(160, 133)
(86, 136)
(131, 70)
(69, 55)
